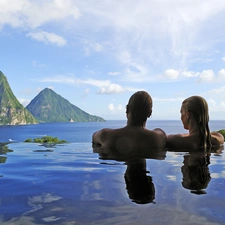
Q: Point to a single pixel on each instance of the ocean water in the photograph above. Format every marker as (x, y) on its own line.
(70, 184)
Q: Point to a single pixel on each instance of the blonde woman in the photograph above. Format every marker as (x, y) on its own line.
(195, 118)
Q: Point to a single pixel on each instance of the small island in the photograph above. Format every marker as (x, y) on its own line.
(46, 139)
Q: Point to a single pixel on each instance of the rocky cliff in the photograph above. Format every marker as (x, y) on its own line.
(11, 111)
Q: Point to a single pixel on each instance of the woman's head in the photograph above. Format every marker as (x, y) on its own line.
(139, 108)
(196, 108)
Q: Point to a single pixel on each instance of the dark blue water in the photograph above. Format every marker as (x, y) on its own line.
(82, 132)
(68, 184)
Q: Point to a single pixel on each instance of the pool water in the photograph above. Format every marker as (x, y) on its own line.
(70, 184)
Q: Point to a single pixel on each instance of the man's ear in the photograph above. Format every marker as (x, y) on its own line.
(150, 113)
(127, 109)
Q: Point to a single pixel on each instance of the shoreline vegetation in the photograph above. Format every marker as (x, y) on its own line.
(46, 139)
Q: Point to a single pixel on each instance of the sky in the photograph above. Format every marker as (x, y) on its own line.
(97, 53)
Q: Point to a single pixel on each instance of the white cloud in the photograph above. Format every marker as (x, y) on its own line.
(116, 109)
(223, 59)
(112, 89)
(134, 67)
(119, 107)
(127, 31)
(212, 102)
(33, 14)
(30, 92)
(11, 12)
(168, 99)
(114, 73)
(175, 75)
(129, 28)
(37, 64)
(171, 74)
(189, 74)
(206, 76)
(92, 47)
(23, 101)
(216, 106)
(87, 51)
(46, 37)
(218, 91)
(51, 87)
(111, 107)
(105, 86)
(178, 36)
(97, 47)
(221, 75)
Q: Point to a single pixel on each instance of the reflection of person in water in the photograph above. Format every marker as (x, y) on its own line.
(134, 134)
(140, 187)
(196, 175)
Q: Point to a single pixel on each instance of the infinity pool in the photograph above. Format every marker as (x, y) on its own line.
(69, 184)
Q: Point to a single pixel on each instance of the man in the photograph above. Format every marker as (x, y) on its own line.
(134, 136)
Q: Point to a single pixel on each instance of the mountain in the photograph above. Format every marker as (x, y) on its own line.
(11, 111)
(48, 106)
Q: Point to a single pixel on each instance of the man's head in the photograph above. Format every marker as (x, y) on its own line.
(139, 108)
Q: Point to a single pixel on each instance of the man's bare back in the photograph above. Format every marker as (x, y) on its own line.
(134, 135)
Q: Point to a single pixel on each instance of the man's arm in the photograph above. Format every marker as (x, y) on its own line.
(160, 137)
(96, 138)
(99, 137)
(180, 142)
(218, 136)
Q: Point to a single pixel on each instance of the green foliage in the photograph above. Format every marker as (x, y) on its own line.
(11, 111)
(46, 139)
(222, 132)
(28, 140)
(4, 149)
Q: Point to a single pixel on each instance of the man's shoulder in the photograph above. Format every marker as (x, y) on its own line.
(182, 141)
(155, 132)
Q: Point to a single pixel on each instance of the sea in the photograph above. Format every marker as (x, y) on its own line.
(71, 184)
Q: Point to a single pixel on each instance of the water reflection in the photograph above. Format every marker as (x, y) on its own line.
(139, 184)
(196, 175)
(144, 153)
(3, 151)
(195, 170)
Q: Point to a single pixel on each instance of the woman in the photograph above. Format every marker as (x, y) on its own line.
(195, 118)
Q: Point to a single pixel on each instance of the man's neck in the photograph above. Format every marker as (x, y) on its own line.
(129, 123)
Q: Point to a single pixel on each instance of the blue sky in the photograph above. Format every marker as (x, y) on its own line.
(97, 53)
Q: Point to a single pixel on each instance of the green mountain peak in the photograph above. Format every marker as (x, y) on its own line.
(48, 106)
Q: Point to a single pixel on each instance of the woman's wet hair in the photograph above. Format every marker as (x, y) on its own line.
(140, 107)
(198, 107)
